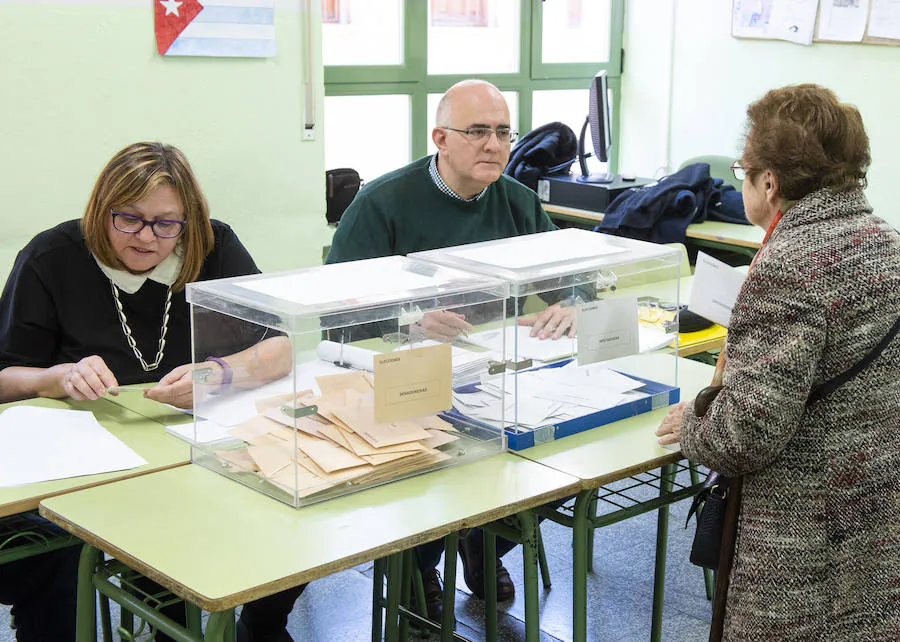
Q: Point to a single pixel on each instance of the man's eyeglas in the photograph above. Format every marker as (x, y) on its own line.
(131, 224)
(478, 134)
(739, 172)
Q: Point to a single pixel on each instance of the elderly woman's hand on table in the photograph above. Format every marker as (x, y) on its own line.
(669, 431)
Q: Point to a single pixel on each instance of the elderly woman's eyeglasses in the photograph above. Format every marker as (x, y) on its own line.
(131, 224)
(739, 172)
(480, 134)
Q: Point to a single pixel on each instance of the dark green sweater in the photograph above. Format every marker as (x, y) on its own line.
(404, 211)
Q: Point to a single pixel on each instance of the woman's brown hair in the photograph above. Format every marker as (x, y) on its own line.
(808, 139)
(130, 176)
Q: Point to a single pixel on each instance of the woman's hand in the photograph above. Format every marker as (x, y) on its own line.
(89, 379)
(553, 322)
(669, 431)
(177, 387)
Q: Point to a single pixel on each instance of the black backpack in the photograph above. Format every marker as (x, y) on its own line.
(341, 185)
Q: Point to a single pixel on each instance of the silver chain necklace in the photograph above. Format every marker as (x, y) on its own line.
(127, 330)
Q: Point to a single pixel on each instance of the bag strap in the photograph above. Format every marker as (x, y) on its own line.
(834, 383)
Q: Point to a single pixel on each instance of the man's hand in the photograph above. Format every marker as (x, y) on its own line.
(669, 431)
(89, 379)
(441, 325)
(552, 323)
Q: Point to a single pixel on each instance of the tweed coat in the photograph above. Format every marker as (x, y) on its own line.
(817, 555)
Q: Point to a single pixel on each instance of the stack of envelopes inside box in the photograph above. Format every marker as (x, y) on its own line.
(336, 439)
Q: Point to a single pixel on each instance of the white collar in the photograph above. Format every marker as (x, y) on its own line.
(165, 273)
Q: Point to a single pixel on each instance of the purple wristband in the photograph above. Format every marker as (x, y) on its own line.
(227, 372)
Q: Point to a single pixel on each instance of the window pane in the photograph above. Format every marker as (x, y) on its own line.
(362, 32)
(473, 36)
(575, 31)
(512, 100)
(569, 106)
(368, 133)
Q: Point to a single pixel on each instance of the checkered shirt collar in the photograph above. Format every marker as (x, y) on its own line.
(441, 185)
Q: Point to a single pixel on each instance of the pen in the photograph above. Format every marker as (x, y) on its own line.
(136, 388)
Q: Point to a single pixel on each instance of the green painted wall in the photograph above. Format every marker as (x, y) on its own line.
(79, 81)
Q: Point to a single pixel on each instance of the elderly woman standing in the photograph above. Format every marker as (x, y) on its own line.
(817, 553)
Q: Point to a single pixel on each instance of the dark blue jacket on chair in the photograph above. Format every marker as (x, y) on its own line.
(661, 211)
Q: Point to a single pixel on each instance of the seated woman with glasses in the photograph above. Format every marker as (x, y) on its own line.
(95, 303)
(99, 302)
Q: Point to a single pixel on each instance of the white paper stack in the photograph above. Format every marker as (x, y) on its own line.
(547, 395)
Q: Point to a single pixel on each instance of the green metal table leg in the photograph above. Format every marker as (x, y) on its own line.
(580, 530)
(220, 627)
(542, 559)
(592, 511)
(394, 579)
(408, 564)
(448, 619)
(419, 588)
(490, 586)
(708, 579)
(86, 618)
(105, 619)
(378, 598)
(193, 618)
(528, 524)
(667, 477)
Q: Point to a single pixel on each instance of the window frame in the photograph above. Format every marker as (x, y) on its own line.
(411, 77)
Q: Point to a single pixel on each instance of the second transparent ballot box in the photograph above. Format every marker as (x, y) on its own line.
(318, 382)
(593, 329)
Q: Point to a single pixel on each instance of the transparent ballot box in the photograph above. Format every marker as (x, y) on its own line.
(318, 382)
(588, 313)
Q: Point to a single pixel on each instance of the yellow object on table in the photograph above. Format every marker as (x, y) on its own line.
(713, 334)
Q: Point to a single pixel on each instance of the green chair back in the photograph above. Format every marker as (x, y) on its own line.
(719, 167)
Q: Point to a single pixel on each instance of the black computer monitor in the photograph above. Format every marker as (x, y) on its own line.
(601, 134)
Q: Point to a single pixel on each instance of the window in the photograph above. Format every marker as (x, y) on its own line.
(388, 61)
(331, 12)
(459, 13)
(364, 32)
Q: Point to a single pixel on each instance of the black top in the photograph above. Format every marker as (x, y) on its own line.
(58, 307)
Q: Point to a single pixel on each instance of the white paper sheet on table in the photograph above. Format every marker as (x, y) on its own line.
(204, 432)
(528, 347)
(42, 444)
(526, 251)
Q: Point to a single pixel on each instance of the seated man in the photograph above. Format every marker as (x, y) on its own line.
(460, 195)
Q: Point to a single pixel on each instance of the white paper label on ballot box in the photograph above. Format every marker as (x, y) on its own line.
(607, 329)
(714, 289)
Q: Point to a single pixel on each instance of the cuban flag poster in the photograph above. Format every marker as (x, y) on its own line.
(236, 28)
